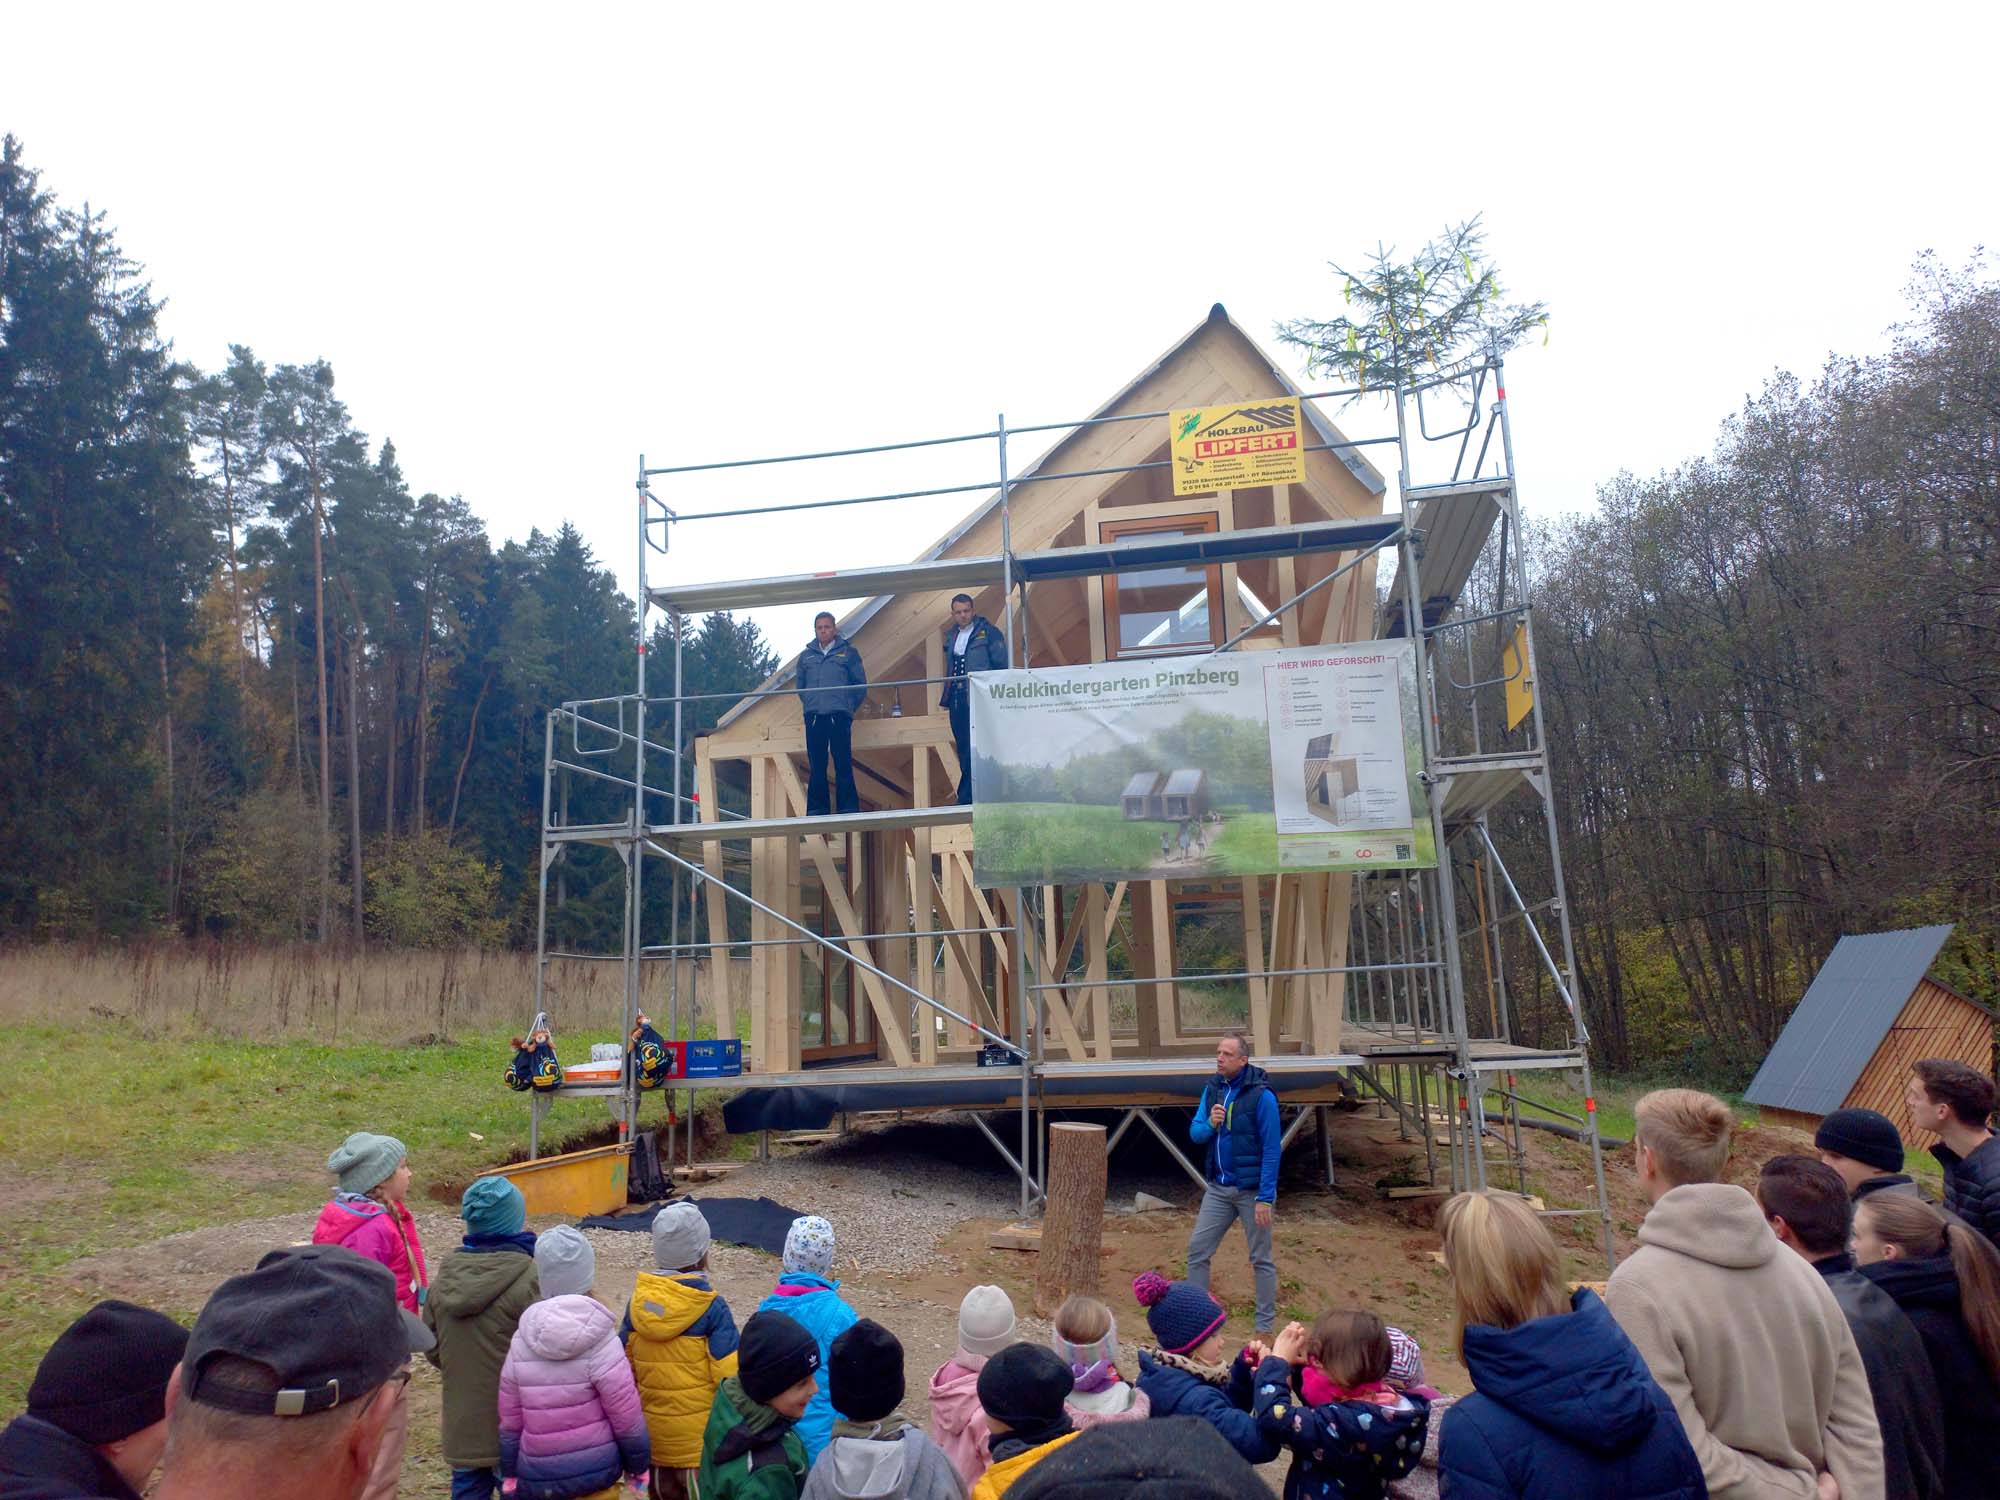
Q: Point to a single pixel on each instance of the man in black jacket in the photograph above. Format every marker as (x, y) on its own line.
(1810, 1211)
(1954, 1103)
(832, 683)
(971, 644)
(96, 1421)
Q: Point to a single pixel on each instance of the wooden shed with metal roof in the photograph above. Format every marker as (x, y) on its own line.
(1873, 1010)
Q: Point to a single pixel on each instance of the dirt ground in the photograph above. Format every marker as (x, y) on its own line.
(1349, 1246)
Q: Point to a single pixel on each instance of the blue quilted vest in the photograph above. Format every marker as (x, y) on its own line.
(1246, 1146)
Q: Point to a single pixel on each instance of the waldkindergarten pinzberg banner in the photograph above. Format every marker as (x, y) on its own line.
(1249, 763)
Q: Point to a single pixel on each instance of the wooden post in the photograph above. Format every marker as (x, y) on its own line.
(1073, 1225)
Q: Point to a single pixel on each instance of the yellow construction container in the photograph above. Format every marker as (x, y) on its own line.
(577, 1182)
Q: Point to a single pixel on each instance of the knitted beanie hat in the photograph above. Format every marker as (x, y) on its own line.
(1024, 1386)
(1862, 1134)
(493, 1205)
(364, 1161)
(105, 1376)
(1181, 1314)
(1406, 1359)
(809, 1246)
(985, 1325)
(680, 1237)
(564, 1262)
(774, 1355)
(864, 1372)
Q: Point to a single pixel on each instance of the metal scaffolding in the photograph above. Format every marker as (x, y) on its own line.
(1415, 933)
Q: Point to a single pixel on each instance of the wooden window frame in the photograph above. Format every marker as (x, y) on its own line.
(1109, 529)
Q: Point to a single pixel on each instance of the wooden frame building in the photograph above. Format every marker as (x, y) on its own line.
(906, 902)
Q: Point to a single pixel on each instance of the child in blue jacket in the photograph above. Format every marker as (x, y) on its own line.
(809, 1297)
(1367, 1435)
(1188, 1371)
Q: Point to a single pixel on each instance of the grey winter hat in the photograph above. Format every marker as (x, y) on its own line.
(564, 1262)
(680, 1237)
(365, 1161)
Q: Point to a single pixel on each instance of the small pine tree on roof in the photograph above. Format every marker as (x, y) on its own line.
(1432, 317)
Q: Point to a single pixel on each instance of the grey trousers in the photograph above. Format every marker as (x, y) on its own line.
(1220, 1208)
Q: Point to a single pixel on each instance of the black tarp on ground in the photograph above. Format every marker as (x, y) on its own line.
(814, 1108)
(756, 1222)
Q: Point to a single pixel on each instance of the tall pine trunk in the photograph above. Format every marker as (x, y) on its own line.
(325, 739)
(390, 695)
(471, 735)
(354, 775)
(173, 859)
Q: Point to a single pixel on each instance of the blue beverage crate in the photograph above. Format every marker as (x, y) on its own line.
(714, 1059)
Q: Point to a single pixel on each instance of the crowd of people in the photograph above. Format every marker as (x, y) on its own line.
(1831, 1336)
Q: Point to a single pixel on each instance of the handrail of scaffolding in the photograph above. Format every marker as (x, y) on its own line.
(971, 437)
(985, 484)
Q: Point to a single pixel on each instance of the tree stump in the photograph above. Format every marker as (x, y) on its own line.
(1073, 1219)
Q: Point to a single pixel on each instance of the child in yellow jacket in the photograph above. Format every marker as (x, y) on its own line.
(681, 1339)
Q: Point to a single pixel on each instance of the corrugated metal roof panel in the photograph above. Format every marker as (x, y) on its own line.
(1846, 1012)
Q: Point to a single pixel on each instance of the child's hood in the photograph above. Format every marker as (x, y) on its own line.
(666, 1306)
(566, 1327)
(343, 1214)
(873, 1468)
(466, 1284)
(954, 1396)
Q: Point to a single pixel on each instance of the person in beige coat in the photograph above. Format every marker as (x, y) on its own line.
(1742, 1335)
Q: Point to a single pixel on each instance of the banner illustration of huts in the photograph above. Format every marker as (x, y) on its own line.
(1165, 796)
(1330, 780)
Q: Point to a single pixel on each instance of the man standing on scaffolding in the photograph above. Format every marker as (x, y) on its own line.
(971, 644)
(832, 683)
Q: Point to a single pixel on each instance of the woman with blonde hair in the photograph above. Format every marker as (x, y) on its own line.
(1562, 1403)
(1946, 1278)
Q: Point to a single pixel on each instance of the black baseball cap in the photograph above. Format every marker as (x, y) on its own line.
(323, 1317)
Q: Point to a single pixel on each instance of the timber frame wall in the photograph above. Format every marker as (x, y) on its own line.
(1364, 971)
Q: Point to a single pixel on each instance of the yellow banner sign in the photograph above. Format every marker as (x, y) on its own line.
(1520, 686)
(1242, 444)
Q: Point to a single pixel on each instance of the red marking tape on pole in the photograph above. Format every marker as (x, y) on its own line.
(1590, 1106)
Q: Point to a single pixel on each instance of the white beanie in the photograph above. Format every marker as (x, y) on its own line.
(564, 1262)
(985, 1325)
(809, 1246)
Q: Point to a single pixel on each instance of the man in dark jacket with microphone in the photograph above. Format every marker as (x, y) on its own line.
(1237, 1122)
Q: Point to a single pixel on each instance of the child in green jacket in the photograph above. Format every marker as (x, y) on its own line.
(475, 1304)
(749, 1451)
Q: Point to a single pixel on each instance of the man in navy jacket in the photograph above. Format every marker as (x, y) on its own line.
(1237, 1121)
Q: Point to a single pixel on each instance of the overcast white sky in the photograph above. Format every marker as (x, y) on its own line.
(535, 242)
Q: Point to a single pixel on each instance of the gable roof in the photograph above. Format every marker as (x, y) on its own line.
(1846, 1012)
(1356, 463)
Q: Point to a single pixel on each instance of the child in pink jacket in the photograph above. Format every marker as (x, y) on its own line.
(570, 1419)
(958, 1423)
(367, 1213)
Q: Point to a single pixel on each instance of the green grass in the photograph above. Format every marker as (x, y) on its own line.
(1034, 842)
(112, 1139)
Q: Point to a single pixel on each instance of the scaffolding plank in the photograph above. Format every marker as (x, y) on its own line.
(836, 583)
(1455, 521)
(891, 819)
